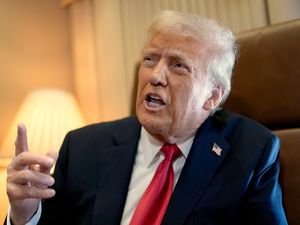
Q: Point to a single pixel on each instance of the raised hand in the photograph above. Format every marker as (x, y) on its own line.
(28, 179)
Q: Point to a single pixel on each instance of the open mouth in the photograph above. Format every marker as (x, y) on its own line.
(154, 100)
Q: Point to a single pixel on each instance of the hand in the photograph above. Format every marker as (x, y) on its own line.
(28, 179)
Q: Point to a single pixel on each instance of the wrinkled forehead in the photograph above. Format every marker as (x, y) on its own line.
(177, 44)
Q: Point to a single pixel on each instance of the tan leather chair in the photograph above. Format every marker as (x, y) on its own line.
(266, 87)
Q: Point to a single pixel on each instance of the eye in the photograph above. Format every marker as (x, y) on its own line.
(181, 68)
(180, 65)
(149, 61)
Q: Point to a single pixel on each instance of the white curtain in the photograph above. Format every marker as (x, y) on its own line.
(84, 59)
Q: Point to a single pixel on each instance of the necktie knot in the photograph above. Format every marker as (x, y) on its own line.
(171, 151)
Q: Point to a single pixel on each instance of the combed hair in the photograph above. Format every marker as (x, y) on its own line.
(222, 41)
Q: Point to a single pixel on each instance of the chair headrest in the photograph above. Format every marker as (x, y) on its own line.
(266, 79)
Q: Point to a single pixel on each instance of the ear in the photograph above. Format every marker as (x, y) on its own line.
(214, 99)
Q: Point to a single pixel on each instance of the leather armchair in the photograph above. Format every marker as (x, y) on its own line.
(266, 87)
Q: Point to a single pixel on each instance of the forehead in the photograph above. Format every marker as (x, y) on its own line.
(176, 45)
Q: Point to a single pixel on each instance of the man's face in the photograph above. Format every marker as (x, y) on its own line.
(174, 92)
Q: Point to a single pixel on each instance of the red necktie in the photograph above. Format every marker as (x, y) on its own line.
(153, 204)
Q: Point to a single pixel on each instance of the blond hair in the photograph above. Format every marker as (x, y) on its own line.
(222, 40)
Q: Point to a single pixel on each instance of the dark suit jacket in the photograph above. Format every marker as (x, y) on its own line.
(239, 187)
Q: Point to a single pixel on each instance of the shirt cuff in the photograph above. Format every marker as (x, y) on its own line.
(34, 219)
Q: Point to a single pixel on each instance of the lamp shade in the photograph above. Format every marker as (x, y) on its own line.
(48, 115)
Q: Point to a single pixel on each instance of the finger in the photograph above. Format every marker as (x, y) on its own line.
(18, 192)
(21, 144)
(54, 156)
(27, 158)
(31, 177)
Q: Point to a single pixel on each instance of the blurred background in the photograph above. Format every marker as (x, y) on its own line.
(66, 63)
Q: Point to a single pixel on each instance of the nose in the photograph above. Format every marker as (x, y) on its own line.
(159, 74)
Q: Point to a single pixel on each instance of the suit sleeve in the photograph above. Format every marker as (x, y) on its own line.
(263, 204)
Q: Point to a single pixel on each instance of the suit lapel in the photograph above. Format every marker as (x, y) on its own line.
(115, 168)
(200, 167)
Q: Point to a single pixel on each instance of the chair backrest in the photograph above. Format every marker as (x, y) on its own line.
(290, 173)
(266, 80)
(266, 87)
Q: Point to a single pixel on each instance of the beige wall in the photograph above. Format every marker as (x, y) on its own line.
(34, 52)
(3, 198)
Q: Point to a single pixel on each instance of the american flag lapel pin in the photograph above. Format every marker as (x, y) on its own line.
(216, 149)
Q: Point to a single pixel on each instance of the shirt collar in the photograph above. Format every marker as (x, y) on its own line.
(150, 147)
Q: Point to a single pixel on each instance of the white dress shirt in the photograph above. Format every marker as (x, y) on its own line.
(146, 162)
(147, 159)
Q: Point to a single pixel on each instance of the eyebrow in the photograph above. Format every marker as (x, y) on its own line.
(173, 53)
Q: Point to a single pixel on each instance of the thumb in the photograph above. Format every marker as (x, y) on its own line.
(21, 144)
(54, 156)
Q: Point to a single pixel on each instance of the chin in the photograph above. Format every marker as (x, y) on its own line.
(151, 122)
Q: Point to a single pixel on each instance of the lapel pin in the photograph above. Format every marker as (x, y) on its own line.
(216, 149)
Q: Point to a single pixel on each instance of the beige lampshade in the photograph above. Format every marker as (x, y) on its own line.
(48, 115)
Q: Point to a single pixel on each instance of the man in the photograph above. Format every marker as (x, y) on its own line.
(223, 169)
